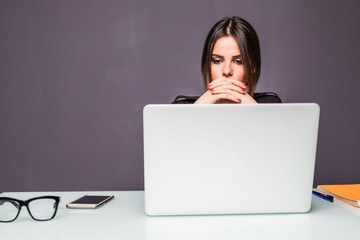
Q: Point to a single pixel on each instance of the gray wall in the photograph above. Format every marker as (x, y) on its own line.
(75, 75)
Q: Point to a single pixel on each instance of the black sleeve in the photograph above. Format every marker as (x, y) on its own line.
(267, 97)
(181, 99)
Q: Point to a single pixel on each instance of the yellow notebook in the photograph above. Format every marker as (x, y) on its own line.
(349, 193)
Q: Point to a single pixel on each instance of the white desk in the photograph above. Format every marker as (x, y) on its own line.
(124, 218)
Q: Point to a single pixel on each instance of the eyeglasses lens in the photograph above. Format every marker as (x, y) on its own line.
(8, 210)
(43, 209)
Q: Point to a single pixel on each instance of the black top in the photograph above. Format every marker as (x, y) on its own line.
(262, 97)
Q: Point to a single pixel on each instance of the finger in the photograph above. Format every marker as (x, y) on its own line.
(237, 83)
(218, 82)
(228, 97)
(229, 87)
(226, 91)
(226, 81)
(227, 94)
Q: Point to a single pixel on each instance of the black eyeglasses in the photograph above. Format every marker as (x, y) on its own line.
(40, 208)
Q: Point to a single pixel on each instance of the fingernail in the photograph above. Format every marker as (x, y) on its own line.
(244, 90)
(212, 91)
(239, 100)
(245, 85)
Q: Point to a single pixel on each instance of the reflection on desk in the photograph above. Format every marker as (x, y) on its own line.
(275, 226)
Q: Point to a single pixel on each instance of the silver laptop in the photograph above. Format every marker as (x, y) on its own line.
(229, 158)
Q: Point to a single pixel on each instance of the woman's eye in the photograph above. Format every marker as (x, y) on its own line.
(216, 61)
(238, 61)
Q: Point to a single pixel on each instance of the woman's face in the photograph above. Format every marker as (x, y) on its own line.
(226, 61)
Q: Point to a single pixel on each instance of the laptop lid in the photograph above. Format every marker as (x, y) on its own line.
(229, 158)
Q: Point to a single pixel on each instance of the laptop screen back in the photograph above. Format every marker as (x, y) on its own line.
(229, 158)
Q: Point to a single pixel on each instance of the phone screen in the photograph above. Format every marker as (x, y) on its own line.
(90, 199)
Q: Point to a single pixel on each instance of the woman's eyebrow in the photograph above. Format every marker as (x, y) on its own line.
(217, 55)
(237, 56)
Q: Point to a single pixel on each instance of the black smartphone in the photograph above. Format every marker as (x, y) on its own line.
(89, 201)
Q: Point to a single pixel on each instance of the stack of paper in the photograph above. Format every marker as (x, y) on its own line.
(348, 193)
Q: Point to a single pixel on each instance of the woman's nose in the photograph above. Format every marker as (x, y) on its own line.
(227, 71)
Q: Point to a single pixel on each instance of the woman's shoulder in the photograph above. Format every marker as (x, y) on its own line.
(182, 99)
(260, 97)
(267, 97)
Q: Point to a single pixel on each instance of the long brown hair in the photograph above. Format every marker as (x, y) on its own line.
(248, 42)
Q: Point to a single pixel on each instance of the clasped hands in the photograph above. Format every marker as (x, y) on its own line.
(226, 90)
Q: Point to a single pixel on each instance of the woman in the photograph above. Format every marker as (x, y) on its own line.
(230, 65)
